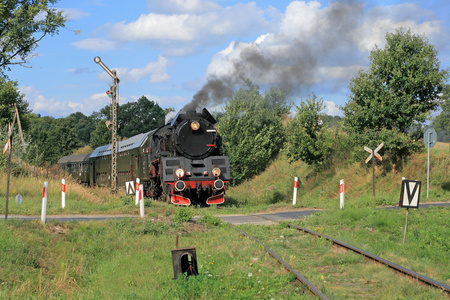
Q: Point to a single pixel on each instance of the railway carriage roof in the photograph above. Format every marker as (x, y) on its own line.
(132, 143)
(74, 158)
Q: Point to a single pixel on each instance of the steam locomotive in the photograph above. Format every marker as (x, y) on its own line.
(181, 162)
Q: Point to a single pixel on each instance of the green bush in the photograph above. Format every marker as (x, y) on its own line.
(210, 219)
(182, 214)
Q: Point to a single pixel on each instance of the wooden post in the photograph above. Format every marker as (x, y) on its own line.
(10, 131)
(7, 184)
(371, 157)
(373, 175)
(406, 225)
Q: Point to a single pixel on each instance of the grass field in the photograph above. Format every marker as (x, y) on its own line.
(131, 258)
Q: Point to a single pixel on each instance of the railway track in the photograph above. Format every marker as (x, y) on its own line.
(331, 269)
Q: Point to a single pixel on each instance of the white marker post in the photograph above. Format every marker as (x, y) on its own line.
(141, 200)
(294, 197)
(63, 193)
(137, 190)
(44, 202)
(341, 193)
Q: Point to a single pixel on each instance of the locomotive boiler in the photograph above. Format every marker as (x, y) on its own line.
(181, 162)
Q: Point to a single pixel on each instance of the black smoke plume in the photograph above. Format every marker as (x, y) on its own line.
(289, 62)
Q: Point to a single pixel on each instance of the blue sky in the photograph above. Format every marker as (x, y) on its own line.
(167, 50)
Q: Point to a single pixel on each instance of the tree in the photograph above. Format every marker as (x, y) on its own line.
(139, 116)
(51, 139)
(9, 94)
(400, 88)
(24, 23)
(251, 130)
(101, 134)
(442, 122)
(84, 126)
(307, 139)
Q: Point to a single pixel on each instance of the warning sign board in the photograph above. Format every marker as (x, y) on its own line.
(410, 193)
(129, 187)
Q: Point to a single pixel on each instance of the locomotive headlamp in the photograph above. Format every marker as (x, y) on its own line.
(195, 125)
(216, 172)
(179, 173)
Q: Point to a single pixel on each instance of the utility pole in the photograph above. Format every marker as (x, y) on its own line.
(113, 94)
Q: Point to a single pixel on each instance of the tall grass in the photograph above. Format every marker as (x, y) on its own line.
(274, 187)
(79, 198)
(131, 259)
(377, 231)
(381, 232)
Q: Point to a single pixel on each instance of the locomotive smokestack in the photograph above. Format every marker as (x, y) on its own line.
(288, 61)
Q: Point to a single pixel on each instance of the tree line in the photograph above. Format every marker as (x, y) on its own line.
(389, 101)
(48, 139)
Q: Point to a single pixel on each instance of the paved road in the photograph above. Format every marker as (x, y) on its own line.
(257, 219)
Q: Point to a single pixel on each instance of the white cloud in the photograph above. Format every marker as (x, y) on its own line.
(383, 19)
(155, 70)
(331, 108)
(98, 44)
(182, 6)
(39, 104)
(159, 78)
(73, 14)
(168, 101)
(189, 23)
(154, 27)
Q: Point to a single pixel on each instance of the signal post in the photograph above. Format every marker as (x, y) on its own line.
(113, 95)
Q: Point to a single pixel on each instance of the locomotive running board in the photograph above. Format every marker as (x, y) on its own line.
(215, 200)
(179, 200)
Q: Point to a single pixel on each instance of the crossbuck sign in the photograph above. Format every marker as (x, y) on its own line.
(372, 154)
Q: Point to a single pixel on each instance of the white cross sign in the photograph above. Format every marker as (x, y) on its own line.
(374, 152)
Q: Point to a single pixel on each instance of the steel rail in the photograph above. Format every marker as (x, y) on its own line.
(396, 267)
(302, 279)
